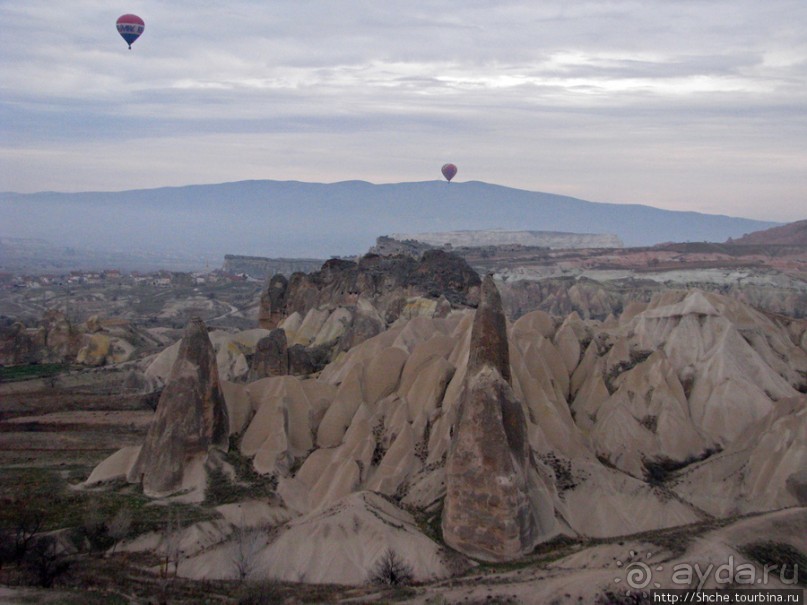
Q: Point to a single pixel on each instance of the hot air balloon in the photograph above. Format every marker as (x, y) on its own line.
(130, 27)
(449, 170)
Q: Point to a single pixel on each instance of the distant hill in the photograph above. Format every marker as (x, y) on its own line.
(792, 234)
(294, 219)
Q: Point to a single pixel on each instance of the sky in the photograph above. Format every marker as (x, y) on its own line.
(680, 104)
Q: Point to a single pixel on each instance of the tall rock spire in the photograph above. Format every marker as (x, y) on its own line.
(191, 416)
(489, 511)
(489, 334)
(273, 302)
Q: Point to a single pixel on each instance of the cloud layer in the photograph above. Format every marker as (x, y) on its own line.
(696, 104)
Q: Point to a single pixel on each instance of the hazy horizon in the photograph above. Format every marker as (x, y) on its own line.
(300, 219)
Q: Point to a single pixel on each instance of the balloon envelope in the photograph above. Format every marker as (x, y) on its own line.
(130, 27)
(449, 170)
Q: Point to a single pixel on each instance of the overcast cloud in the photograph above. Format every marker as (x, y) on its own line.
(685, 104)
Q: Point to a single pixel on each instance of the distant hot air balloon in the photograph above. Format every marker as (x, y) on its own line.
(130, 27)
(449, 170)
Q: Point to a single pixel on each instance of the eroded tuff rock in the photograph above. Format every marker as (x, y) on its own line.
(271, 356)
(57, 340)
(684, 377)
(345, 303)
(489, 334)
(19, 345)
(337, 544)
(762, 470)
(386, 280)
(601, 402)
(598, 295)
(191, 418)
(273, 302)
(488, 510)
(232, 353)
(383, 414)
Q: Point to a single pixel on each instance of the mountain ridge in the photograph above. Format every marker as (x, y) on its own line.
(784, 235)
(296, 218)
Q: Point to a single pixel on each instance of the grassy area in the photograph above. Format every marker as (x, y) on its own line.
(544, 553)
(31, 371)
(66, 597)
(44, 493)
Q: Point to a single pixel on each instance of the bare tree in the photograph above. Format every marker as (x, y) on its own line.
(29, 521)
(391, 569)
(47, 560)
(247, 542)
(170, 546)
(24, 520)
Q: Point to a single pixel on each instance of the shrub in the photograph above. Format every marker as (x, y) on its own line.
(629, 598)
(786, 561)
(264, 593)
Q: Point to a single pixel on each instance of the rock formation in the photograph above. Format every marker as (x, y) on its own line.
(488, 511)
(273, 302)
(190, 420)
(341, 543)
(678, 410)
(18, 345)
(62, 340)
(345, 302)
(232, 353)
(386, 280)
(271, 356)
(57, 340)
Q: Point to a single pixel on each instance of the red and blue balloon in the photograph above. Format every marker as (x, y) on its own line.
(130, 27)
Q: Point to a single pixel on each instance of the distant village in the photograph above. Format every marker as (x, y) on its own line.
(236, 268)
(11, 281)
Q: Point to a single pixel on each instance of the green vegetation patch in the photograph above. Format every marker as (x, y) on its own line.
(248, 483)
(43, 494)
(31, 371)
(784, 561)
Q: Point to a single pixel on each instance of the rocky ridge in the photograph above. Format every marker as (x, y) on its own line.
(345, 302)
(596, 282)
(500, 237)
(792, 234)
(261, 267)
